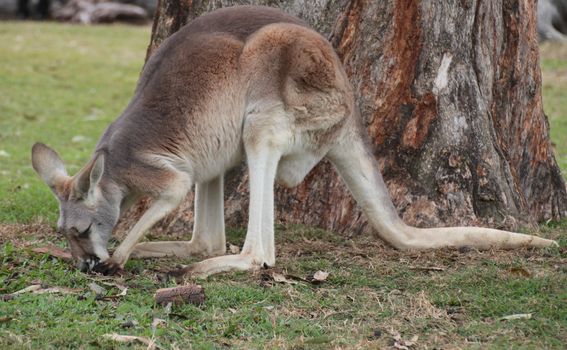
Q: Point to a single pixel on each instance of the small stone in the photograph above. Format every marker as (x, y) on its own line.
(129, 324)
(377, 333)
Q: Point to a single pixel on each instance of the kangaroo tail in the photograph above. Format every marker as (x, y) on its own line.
(358, 168)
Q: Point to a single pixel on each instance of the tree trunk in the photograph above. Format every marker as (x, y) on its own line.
(450, 92)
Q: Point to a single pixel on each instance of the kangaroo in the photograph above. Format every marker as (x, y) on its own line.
(238, 83)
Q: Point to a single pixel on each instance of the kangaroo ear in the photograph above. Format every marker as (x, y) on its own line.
(89, 177)
(97, 171)
(48, 165)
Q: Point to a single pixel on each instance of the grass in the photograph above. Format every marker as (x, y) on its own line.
(554, 71)
(65, 90)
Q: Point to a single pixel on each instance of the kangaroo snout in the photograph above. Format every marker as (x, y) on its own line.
(88, 264)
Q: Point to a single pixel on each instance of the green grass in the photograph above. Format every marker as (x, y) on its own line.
(65, 89)
(62, 85)
(554, 70)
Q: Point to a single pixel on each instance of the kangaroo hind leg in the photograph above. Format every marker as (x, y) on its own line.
(264, 137)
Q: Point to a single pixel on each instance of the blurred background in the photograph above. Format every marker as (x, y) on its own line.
(552, 14)
(80, 11)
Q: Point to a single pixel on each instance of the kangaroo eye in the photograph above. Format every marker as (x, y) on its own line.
(86, 232)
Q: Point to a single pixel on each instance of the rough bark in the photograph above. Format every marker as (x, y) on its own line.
(450, 92)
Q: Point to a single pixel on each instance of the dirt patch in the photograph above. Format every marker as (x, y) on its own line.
(25, 234)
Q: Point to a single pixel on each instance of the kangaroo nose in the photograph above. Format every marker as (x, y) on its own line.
(83, 266)
(86, 265)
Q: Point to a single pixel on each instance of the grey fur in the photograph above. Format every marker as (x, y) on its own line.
(552, 20)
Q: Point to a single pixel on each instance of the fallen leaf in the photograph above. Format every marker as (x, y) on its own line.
(233, 249)
(279, 278)
(167, 308)
(400, 346)
(115, 296)
(516, 317)
(320, 276)
(405, 344)
(412, 341)
(400, 343)
(297, 278)
(520, 271)
(123, 289)
(53, 251)
(156, 322)
(131, 339)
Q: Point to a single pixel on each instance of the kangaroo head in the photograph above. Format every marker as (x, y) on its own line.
(88, 210)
